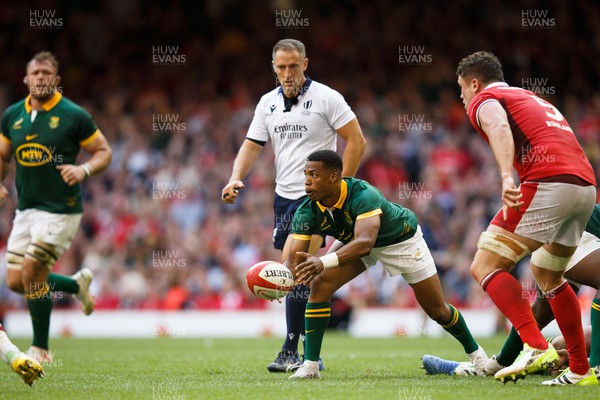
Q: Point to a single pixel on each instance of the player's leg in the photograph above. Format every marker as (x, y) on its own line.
(582, 269)
(51, 236)
(498, 251)
(37, 291)
(563, 355)
(542, 313)
(25, 366)
(318, 313)
(288, 359)
(24, 224)
(548, 264)
(428, 293)
(77, 285)
(587, 272)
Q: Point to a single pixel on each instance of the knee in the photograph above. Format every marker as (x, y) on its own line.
(475, 271)
(14, 283)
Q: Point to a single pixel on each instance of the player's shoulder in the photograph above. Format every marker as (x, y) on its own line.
(15, 107)
(358, 188)
(70, 105)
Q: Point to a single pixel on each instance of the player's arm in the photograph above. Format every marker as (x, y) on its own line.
(494, 122)
(298, 246)
(365, 235)
(355, 146)
(101, 156)
(5, 156)
(244, 161)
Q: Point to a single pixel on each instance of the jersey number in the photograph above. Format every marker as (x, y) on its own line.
(554, 114)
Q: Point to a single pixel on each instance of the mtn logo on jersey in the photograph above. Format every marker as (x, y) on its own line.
(35, 155)
(290, 131)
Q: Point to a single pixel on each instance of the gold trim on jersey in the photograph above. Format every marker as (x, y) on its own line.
(370, 214)
(47, 106)
(341, 200)
(300, 237)
(7, 140)
(91, 138)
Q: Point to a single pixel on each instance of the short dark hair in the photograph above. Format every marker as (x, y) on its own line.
(45, 56)
(481, 65)
(290, 45)
(329, 158)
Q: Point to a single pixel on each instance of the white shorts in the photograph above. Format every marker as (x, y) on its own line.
(33, 225)
(553, 212)
(410, 258)
(587, 245)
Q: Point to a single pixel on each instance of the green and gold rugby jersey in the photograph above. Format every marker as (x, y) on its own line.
(358, 199)
(53, 138)
(593, 225)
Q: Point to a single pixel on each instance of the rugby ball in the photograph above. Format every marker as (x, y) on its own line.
(269, 280)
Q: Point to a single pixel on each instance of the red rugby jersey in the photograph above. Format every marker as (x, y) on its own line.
(545, 144)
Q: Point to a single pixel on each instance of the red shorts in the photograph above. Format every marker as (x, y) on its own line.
(553, 212)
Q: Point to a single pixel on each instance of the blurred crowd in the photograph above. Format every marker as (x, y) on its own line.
(154, 230)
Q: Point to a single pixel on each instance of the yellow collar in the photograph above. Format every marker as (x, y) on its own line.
(341, 200)
(47, 106)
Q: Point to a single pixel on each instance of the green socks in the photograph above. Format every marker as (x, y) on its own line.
(62, 283)
(457, 327)
(316, 320)
(511, 349)
(40, 307)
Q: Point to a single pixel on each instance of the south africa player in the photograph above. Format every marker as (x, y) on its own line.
(25, 366)
(371, 228)
(298, 117)
(45, 132)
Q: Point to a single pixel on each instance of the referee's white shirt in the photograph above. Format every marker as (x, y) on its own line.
(310, 126)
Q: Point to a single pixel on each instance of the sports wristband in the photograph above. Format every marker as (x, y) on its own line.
(86, 169)
(330, 260)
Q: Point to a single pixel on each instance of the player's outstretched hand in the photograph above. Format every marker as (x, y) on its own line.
(71, 174)
(230, 191)
(306, 271)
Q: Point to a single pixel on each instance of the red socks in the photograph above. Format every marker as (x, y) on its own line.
(507, 294)
(565, 307)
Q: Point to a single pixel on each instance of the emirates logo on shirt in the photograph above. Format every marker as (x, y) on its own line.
(290, 131)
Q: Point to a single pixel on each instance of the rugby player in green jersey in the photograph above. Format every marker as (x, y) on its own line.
(371, 228)
(45, 132)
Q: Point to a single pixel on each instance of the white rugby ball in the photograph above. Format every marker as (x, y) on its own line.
(269, 280)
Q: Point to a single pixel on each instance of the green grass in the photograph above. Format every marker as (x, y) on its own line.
(186, 369)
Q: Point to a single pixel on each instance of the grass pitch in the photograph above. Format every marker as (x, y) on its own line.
(187, 369)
